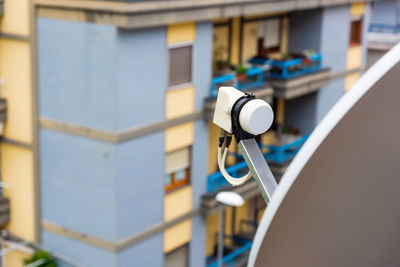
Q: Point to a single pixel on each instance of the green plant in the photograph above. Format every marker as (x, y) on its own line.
(48, 260)
(241, 69)
(309, 52)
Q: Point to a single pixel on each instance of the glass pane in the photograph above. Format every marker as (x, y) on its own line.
(180, 65)
(180, 175)
(272, 35)
(168, 179)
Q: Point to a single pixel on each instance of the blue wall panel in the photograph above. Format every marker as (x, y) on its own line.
(386, 12)
(334, 46)
(202, 79)
(80, 253)
(78, 183)
(77, 72)
(305, 31)
(140, 184)
(202, 62)
(142, 77)
(326, 31)
(365, 29)
(300, 113)
(147, 253)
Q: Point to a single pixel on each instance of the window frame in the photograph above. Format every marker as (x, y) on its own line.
(261, 48)
(175, 184)
(357, 24)
(174, 46)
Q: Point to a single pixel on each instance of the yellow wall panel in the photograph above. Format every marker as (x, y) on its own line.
(250, 40)
(179, 102)
(177, 203)
(285, 36)
(16, 88)
(179, 136)
(15, 259)
(235, 41)
(213, 133)
(16, 17)
(212, 225)
(17, 171)
(354, 57)
(269, 138)
(354, 60)
(280, 111)
(351, 80)
(357, 9)
(182, 32)
(177, 236)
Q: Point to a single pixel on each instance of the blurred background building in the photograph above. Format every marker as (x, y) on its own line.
(108, 157)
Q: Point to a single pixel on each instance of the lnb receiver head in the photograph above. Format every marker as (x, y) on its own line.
(242, 114)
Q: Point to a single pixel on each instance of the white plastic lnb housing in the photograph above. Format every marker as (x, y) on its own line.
(255, 117)
(227, 97)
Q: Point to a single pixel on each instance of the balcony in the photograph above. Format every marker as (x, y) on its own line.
(278, 156)
(251, 78)
(237, 257)
(286, 150)
(383, 36)
(295, 75)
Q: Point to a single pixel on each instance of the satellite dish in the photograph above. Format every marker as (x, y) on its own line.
(338, 203)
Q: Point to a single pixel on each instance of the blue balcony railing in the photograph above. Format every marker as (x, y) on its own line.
(255, 77)
(280, 154)
(231, 258)
(276, 154)
(384, 28)
(217, 181)
(286, 69)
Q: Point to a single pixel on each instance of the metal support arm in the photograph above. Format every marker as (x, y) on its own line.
(259, 168)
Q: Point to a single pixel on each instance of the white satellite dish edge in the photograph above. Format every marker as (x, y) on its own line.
(339, 110)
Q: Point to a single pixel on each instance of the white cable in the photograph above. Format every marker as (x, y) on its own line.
(221, 164)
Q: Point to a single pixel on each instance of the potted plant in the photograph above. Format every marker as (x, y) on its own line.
(241, 70)
(43, 258)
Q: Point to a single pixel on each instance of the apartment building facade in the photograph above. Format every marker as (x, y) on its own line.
(122, 148)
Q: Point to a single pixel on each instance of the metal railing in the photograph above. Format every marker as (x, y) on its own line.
(282, 153)
(286, 69)
(384, 28)
(276, 154)
(230, 258)
(254, 78)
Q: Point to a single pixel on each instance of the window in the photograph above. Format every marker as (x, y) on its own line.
(177, 257)
(269, 36)
(180, 65)
(355, 32)
(177, 169)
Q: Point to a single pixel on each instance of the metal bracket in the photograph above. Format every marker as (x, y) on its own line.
(259, 168)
